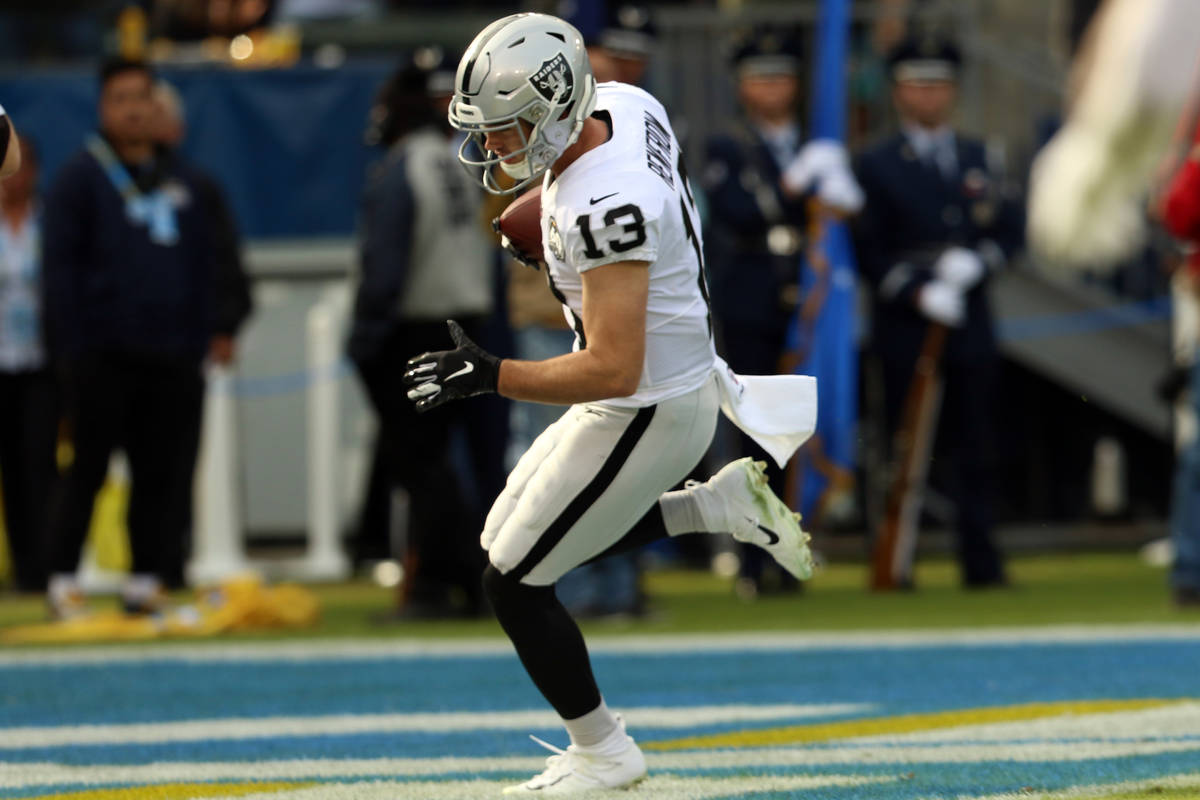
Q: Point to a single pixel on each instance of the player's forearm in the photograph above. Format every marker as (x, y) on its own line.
(578, 377)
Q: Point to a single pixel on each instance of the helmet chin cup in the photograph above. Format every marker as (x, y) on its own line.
(519, 171)
(527, 72)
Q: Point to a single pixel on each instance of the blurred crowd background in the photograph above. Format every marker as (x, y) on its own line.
(294, 122)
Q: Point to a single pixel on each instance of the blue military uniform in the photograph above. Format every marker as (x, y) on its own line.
(926, 192)
(754, 238)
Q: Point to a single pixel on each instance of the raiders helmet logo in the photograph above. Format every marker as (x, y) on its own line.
(554, 79)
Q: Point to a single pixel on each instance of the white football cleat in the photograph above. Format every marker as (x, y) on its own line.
(577, 770)
(746, 507)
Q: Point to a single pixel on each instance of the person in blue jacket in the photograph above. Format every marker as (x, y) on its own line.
(128, 271)
(935, 227)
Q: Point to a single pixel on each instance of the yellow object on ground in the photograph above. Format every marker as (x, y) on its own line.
(240, 604)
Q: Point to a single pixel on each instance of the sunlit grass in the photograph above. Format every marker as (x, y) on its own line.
(1046, 589)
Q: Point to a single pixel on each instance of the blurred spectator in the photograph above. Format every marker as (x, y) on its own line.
(621, 51)
(54, 29)
(28, 401)
(129, 274)
(231, 303)
(934, 228)
(424, 258)
(198, 19)
(1181, 216)
(755, 233)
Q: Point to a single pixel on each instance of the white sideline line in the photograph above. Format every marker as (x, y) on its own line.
(341, 724)
(357, 649)
(23, 775)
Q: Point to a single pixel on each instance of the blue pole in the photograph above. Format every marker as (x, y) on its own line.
(828, 118)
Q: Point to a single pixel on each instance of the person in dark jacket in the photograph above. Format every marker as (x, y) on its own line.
(28, 400)
(231, 303)
(759, 177)
(936, 225)
(425, 258)
(128, 263)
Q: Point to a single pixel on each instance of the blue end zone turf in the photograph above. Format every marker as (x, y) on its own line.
(898, 693)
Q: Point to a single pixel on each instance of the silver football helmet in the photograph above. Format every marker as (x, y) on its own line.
(525, 68)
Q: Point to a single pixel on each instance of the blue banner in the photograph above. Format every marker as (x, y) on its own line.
(286, 144)
(823, 334)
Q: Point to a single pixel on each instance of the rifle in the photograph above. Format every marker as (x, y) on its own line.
(892, 559)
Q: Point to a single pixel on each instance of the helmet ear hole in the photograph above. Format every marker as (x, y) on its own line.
(567, 111)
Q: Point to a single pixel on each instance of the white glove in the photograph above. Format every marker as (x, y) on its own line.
(818, 158)
(840, 191)
(959, 267)
(942, 302)
(823, 163)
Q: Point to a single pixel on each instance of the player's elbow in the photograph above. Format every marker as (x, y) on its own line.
(625, 380)
(625, 386)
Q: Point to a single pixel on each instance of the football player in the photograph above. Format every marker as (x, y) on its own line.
(622, 247)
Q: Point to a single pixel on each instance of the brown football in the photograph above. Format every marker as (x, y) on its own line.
(521, 222)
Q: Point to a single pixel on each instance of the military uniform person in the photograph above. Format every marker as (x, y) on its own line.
(759, 176)
(935, 227)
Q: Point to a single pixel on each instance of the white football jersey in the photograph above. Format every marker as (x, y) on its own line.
(629, 200)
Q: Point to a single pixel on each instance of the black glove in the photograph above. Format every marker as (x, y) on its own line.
(447, 375)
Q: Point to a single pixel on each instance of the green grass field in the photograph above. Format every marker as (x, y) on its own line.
(1100, 588)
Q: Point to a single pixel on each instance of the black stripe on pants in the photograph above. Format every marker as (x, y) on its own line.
(547, 640)
(590, 494)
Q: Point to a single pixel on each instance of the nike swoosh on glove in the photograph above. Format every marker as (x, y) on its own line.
(447, 375)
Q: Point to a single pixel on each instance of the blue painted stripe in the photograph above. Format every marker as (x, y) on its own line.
(897, 680)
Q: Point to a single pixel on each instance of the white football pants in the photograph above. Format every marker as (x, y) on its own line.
(589, 477)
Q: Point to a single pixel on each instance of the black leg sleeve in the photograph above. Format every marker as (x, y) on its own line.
(547, 640)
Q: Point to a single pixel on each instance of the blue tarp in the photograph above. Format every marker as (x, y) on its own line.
(286, 144)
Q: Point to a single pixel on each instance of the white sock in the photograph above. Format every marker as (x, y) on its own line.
(593, 728)
(683, 510)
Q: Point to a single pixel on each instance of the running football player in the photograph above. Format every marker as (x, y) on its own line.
(622, 247)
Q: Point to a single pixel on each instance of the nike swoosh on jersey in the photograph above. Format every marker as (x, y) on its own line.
(595, 200)
(467, 369)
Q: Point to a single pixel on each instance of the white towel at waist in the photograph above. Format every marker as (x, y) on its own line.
(777, 411)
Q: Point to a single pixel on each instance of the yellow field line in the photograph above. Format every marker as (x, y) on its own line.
(177, 791)
(905, 723)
